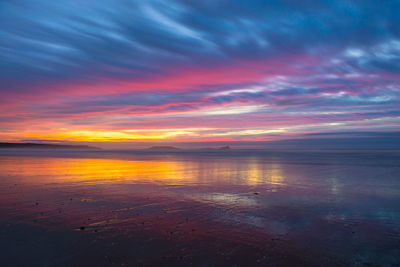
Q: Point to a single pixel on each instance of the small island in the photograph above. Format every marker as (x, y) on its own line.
(43, 146)
(216, 148)
(163, 148)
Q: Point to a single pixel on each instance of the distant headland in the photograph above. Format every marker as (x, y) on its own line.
(44, 146)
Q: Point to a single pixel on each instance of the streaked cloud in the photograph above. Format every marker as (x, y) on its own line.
(181, 70)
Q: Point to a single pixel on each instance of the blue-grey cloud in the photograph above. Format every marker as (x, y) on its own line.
(134, 39)
(115, 63)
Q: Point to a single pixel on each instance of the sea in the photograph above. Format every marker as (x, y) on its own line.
(199, 208)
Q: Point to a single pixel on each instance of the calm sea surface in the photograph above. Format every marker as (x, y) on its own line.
(200, 208)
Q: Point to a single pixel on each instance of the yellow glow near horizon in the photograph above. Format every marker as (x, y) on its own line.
(123, 135)
(158, 134)
(116, 135)
(75, 134)
(135, 134)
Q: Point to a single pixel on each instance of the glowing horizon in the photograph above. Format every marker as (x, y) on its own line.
(197, 72)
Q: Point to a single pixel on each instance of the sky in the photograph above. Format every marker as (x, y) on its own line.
(119, 71)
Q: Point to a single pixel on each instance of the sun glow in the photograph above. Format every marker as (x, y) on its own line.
(121, 135)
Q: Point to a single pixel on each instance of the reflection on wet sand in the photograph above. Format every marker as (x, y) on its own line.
(212, 209)
(97, 170)
(172, 172)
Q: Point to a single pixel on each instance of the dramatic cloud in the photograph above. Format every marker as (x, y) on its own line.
(197, 70)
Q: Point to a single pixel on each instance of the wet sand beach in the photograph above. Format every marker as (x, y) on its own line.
(199, 208)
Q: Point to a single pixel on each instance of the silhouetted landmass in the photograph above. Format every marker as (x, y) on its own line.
(163, 148)
(216, 148)
(44, 146)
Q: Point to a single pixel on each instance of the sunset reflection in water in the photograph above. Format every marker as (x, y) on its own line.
(170, 172)
(235, 206)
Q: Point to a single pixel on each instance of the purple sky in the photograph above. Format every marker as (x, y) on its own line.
(196, 71)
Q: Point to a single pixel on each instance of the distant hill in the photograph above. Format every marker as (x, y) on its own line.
(163, 148)
(44, 146)
(217, 148)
